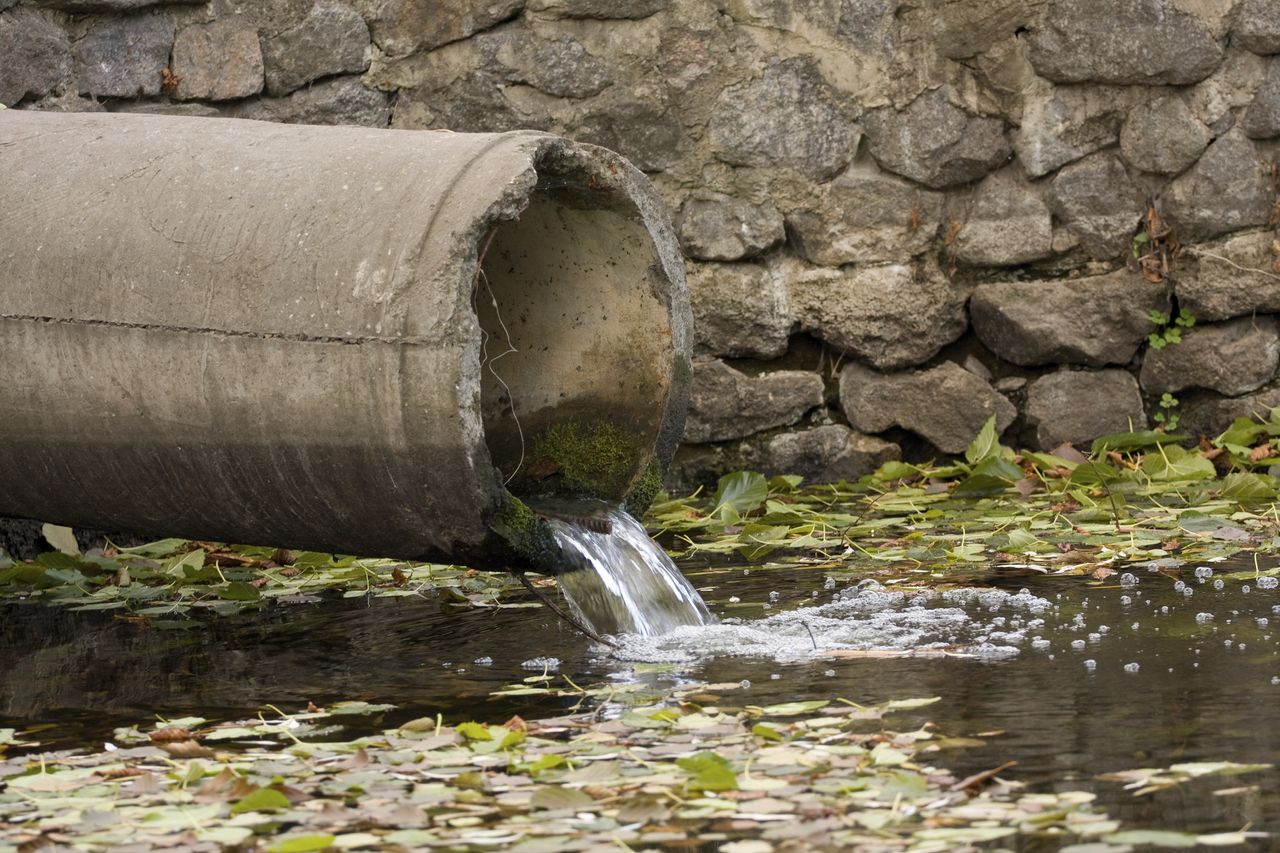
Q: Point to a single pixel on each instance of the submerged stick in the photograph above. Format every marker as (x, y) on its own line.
(566, 616)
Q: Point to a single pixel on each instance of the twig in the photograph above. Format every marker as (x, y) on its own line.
(556, 609)
(1115, 509)
(1201, 253)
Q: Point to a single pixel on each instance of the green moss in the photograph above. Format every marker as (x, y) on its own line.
(596, 458)
(645, 489)
(527, 534)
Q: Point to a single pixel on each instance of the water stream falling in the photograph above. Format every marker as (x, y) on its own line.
(624, 583)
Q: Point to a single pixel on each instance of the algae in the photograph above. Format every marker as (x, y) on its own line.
(527, 534)
(645, 489)
(596, 458)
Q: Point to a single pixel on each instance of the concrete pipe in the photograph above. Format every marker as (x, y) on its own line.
(332, 338)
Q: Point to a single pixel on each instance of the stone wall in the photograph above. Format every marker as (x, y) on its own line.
(901, 217)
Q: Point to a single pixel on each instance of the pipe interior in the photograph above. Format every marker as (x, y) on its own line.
(573, 331)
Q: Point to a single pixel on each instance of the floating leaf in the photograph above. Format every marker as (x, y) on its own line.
(261, 800)
(303, 844)
(985, 445)
(561, 799)
(742, 492)
(61, 538)
(710, 772)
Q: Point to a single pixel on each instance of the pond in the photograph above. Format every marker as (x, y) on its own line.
(1072, 678)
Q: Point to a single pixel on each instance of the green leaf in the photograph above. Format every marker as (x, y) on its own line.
(1244, 488)
(1133, 440)
(239, 591)
(61, 538)
(303, 844)
(741, 492)
(1176, 464)
(792, 709)
(1157, 837)
(710, 772)
(895, 470)
(785, 483)
(547, 762)
(985, 444)
(761, 730)
(473, 731)
(261, 800)
(561, 799)
(993, 474)
(1242, 432)
(161, 548)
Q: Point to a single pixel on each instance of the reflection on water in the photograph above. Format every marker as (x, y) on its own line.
(1062, 684)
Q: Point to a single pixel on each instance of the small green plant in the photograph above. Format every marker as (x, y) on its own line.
(1167, 418)
(1169, 330)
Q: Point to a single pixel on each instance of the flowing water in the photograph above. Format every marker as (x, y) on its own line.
(1155, 666)
(623, 582)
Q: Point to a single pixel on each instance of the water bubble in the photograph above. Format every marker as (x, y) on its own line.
(1164, 608)
(1203, 618)
(1091, 664)
(774, 676)
(1227, 643)
(1102, 629)
(1245, 588)
(1204, 572)
(1128, 579)
(1095, 638)
(1275, 679)
(1179, 586)
(774, 595)
(1040, 643)
(733, 599)
(830, 673)
(1268, 582)
(829, 583)
(549, 664)
(1136, 625)
(484, 661)
(744, 683)
(1218, 584)
(1077, 644)
(1131, 667)
(1126, 600)
(1262, 621)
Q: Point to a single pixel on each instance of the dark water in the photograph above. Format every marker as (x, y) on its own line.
(1204, 689)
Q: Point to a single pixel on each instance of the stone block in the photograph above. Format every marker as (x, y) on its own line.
(1064, 123)
(725, 403)
(1262, 119)
(1077, 406)
(1227, 189)
(1257, 27)
(934, 142)
(599, 9)
(219, 61)
(332, 39)
(1209, 415)
(1163, 136)
(1006, 224)
(811, 135)
(401, 27)
(342, 100)
(36, 55)
(124, 57)
(1095, 199)
(559, 66)
(715, 227)
(646, 133)
(1093, 321)
(946, 405)
(1124, 41)
(865, 216)
(1232, 358)
(80, 6)
(822, 454)
(739, 310)
(1236, 275)
(891, 316)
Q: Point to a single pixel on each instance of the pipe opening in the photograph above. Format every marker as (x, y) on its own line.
(576, 347)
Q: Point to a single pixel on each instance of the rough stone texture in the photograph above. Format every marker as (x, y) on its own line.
(123, 58)
(946, 405)
(823, 454)
(934, 142)
(1228, 189)
(1077, 406)
(1163, 136)
(739, 310)
(332, 39)
(891, 316)
(472, 103)
(36, 56)
(401, 27)
(1230, 277)
(1007, 224)
(219, 61)
(1209, 415)
(725, 403)
(1095, 199)
(601, 9)
(1123, 41)
(865, 216)
(1093, 321)
(1219, 100)
(343, 100)
(112, 5)
(1063, 123)
(718, 227)
(812, 136)
(1262, 119)
(647, 134)
(1257, 27)
(558, 66)
(1231, 358)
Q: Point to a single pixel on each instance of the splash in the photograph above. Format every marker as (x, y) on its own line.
(622, 582)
